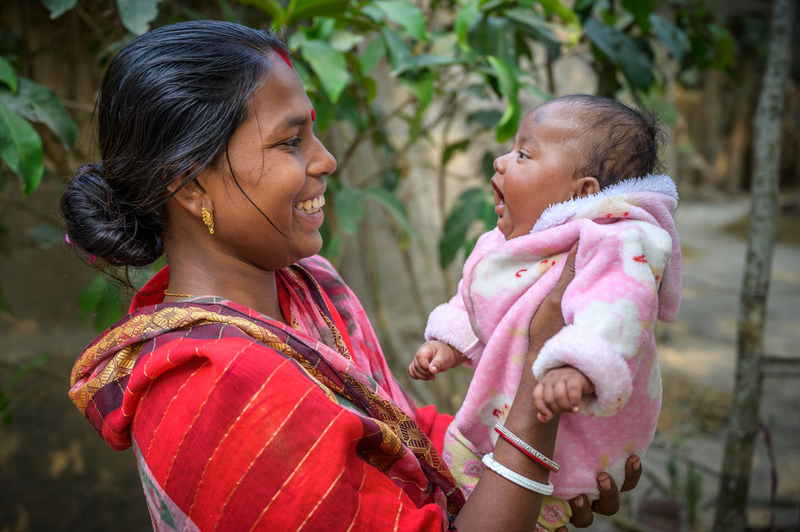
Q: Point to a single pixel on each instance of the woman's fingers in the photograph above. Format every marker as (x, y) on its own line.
(581, 512)
(608, 503)
(633, 472)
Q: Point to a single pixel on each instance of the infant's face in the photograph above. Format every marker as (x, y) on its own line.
(538, 171)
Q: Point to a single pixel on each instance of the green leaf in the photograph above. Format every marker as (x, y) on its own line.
(136, 15)
(467, 209)
(452, 149)
(90, 295)
(7, 74)
(563, 11)
(623, 50)
(305, 9)
(270, 7)
(349, 206)
(21, 149)
(641, 11)
(567, 34)
(509, 86)
(485, 117)
(395, 207)
(371, 55)
(102, 298)
(422, 87)
(39, 104)
(329, 65)
(58, 7)
(371, 88)
(406, 14)
(45, 235)
(723, 46)
(502, 41)
(467, 17)
(427, 61)
(399, 54)
(37, 362)
(671, 35)
(344, 41)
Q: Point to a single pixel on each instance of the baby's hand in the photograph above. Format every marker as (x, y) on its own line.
(560, 390)
(432, 357)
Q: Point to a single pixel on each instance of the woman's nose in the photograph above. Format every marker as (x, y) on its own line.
(322, 162)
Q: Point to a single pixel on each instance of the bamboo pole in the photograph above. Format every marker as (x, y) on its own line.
(731, 514)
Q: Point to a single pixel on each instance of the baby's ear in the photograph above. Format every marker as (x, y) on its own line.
(585, 186)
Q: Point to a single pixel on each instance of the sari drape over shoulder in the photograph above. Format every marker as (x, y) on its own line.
(239, 422)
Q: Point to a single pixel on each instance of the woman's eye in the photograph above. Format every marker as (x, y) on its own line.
(293, 143)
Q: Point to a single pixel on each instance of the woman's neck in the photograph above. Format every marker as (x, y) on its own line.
(234, 280)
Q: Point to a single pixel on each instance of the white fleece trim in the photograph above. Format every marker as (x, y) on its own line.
(559, 213)
(451, 326)
(604, 367)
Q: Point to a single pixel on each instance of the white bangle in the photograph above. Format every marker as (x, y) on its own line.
(516, 478)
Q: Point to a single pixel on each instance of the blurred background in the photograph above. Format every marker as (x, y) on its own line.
(415, 100)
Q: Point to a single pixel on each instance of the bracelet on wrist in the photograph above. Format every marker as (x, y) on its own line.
(526, 449)
(516, 478)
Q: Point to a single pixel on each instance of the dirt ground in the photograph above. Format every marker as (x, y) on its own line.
(57, 475)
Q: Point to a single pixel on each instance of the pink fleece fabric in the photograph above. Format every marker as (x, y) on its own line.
(628, 274)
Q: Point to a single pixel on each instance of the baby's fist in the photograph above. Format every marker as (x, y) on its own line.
(560, 390)
(431, 358)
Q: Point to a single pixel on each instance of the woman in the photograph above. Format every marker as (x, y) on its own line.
(247, 377)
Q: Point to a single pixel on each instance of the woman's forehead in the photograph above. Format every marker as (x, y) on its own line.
(280, 102)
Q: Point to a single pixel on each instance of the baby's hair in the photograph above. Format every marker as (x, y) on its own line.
(620, 141)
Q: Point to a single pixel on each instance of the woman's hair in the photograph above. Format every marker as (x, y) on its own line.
(619, 141)
(168, 104)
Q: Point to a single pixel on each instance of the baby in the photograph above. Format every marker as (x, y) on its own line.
(581, 171)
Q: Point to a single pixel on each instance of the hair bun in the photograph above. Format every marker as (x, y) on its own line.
(102, 226)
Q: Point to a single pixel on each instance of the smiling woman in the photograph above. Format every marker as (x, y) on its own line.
(247, 377)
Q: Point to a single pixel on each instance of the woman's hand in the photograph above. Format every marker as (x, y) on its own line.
(608, 503)
(546, 322)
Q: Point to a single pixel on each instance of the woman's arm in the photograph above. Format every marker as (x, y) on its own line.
(498, 504)
(518, 507)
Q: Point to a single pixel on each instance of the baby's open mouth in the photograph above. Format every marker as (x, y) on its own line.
(498, 196)
(311, 206)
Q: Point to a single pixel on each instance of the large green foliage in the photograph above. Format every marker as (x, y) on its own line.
(471, 57)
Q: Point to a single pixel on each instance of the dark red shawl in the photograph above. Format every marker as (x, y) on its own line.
(239, 422)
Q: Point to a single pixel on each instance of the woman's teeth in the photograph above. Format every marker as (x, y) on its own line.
(311, 206)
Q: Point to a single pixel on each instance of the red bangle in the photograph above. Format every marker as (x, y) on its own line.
(526, 452)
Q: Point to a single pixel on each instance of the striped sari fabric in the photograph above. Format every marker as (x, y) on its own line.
(239, 422)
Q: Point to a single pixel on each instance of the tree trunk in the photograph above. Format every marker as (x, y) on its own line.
(731, 515)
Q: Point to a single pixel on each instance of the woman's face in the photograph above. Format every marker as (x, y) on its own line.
(281, 167)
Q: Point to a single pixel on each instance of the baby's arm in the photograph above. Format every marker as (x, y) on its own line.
(434, 357)
(449, 324)
(610, 308)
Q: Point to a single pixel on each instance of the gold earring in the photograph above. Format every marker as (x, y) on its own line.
(208, 219)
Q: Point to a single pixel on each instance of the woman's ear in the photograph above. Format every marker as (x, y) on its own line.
(585, 186)
(192, 196)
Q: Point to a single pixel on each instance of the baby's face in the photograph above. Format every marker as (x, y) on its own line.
(538, 171)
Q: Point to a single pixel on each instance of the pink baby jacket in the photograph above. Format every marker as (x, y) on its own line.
(628, 274)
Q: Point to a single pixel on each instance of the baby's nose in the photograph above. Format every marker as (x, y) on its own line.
(500, 164)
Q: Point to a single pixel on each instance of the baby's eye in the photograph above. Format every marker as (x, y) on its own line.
(521, 155)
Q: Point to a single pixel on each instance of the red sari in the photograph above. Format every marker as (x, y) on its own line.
(239, 422)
